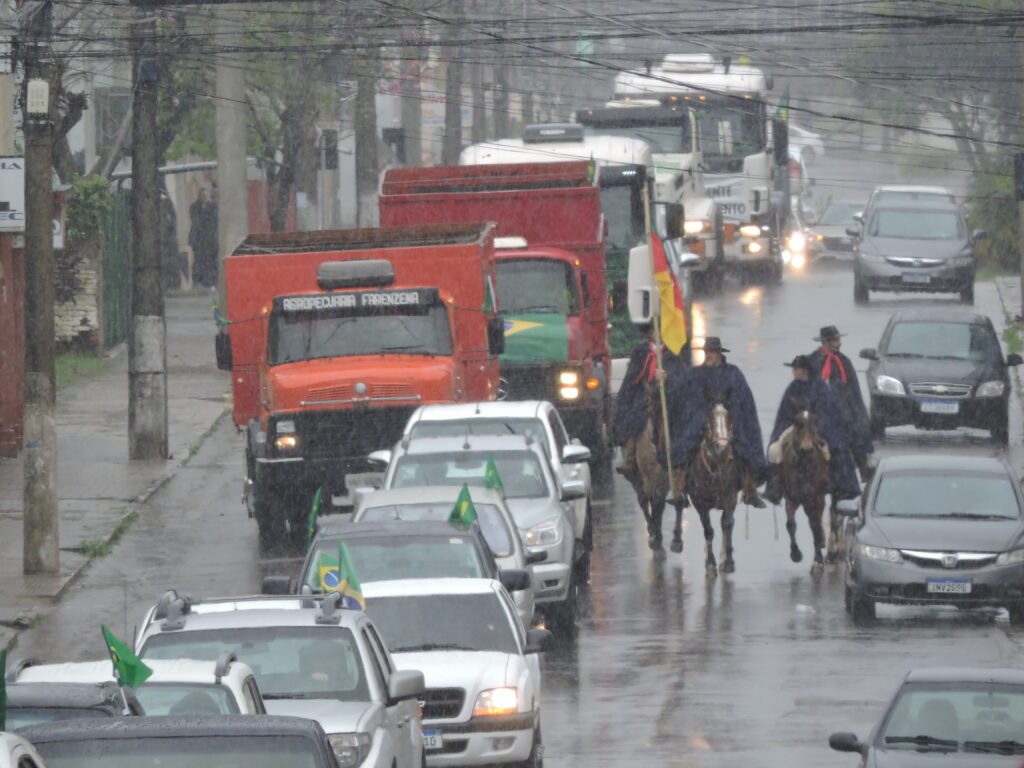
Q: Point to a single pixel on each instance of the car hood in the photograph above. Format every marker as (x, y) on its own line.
(942, 371)
(906, 758)
(334, 716)
(833, 230)
(529, 512)
(472, 670)
(946, 534)
(900, 247)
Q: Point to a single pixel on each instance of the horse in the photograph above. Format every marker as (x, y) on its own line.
(805, 481)
(713, 482)
(652, 487)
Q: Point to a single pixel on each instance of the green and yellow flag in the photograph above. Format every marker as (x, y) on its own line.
(129, 669)
(464, 511)
(340, 576)
(3, 690)
(783, 111)
(492, 479)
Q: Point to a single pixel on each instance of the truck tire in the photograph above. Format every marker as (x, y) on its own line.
(270, 519)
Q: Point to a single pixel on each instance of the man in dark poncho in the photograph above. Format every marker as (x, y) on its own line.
(821, 401)
(632, 403)
(721, 381)
(836, 370)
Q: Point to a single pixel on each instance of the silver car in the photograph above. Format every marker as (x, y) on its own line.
(542, 506)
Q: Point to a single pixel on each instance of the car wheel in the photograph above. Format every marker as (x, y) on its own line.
(1017, 614)
(587, 542)
(862, 609)
(563, 615)
(877, 426)
(967, 294)
(1001, 435)
(861, 295)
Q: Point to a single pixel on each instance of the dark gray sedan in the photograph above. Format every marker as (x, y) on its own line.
(952, 718)
(937, 530)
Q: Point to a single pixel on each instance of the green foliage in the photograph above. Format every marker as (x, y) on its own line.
(1011, 336)
(993, 209)
(88, 205)
(76, 366)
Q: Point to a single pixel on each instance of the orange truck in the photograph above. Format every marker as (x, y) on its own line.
(333, 338)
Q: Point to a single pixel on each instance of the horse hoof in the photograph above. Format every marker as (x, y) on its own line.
(729, 566)
(712, 571)
(654, 542)
(677, 545)
(816, 569)
(796, 555)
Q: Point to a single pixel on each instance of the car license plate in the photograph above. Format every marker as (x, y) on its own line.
(916, 278)
(949, 586)
(940, 406)
(433, 740)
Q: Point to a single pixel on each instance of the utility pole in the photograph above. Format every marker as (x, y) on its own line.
(6, 82)
(452, 146)
(147, 348)
(40, 545)
(412, 106)
(478, 131)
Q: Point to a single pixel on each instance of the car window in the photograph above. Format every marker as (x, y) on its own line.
(561, 438)
(253, 699)
(376, 664)
(378, 646)
(945, 494)
(186, 699)
(962, 713)
(492, 524)
(473, 622)
(839, 213)
(478, 426)
(288, 662)
(916, 224)
(521, 472)
(944, 341)
(252, 751)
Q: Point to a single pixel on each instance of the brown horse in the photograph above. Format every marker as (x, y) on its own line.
(805, 481)
(713, 482)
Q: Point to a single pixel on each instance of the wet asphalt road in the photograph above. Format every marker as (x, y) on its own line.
(669, 668)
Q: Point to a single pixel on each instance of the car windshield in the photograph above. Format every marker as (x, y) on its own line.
(910, 224)
(252, 751)
(920, 493)
(185, 699)
(840, 213)
(397, 557)
(975, 717)
(21, 717)
(474, 622)
(911, 196)
(289, 662)
(623, 209)
(485, 427)
(943, 341)
(492, 525)
(411, 329)
(537, 285)
(520, 471)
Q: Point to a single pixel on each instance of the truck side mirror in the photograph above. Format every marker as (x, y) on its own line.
(223, 347)
(780, 135)
(495, 335)
(641, 288)
(674, 216)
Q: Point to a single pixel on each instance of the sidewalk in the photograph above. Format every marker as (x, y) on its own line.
(98, 487)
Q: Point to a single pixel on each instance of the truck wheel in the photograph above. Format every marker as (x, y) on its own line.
(269, 518)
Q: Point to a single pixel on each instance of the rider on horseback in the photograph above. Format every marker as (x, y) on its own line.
(820, 400)
(721, 381)
(836, 370)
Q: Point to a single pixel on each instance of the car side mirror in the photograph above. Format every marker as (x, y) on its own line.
(222, 344)
(848, 508)
(382, 456)
(496, 335)
(853, 232)
(979, 234)
(1014, 359)
(538, 640)
(847, 742)
(572, 490)
(514, 579)
(534, 556)
(859, 217)
(277, 585)
(575, 454)
(869, 353)
(405, 684)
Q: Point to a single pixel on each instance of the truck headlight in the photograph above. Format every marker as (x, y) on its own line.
(696, 226)
(750, 230)
(569, 393)
(887, 385)
(496, 701)
(1013, 557)
(350, 748)
(884, 554)
(568, 378)
(991, 389)
(546, 534)
(286, 442)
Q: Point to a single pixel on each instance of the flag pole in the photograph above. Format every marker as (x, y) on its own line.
(656, 324)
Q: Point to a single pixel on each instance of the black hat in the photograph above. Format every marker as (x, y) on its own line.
(713, 344)
(827, 333)
(800, 361)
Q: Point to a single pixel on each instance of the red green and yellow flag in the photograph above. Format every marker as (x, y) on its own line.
(674, 332)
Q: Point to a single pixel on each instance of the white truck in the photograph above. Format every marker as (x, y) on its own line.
(745, 150)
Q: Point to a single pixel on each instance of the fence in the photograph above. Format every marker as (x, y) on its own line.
(116, 283)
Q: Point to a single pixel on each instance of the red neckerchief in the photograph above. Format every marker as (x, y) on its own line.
(826, 369)
(650, 365)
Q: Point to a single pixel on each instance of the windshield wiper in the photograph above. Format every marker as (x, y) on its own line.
(1007, 746)
(903, 354)
(923, 741)
(432, 647)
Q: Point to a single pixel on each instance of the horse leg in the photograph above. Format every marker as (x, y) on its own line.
(654, 523)
(728, 522)
(815, 515)
(710, 564)
(794, 551)
(677, 531)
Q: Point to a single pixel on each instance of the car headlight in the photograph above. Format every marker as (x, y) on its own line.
(1013, 557)
(884, 554)
(496, 701)
(546, 534)
(696, 226)
(887, 385)
(750, 230)
(797, 242)
(350, 748)
(991, 389)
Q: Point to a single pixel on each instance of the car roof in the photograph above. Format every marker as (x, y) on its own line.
(411, 529)
(166, 726)
(73, 695)
(921, 189)
(422, 587)
(164, 671)
(491, 410)
(943, 462)
(427, 494)
(469, 444)
(931, 203)
(943, 315)
(966, 675)
(255, 612)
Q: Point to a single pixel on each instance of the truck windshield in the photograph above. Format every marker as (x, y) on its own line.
(668, 136)
(537, 285)
(406, 330)
(623, 208)
(730, 130)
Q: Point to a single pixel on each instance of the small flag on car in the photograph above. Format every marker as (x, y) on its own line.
(129, 669)
(492, 479)
(464, 511)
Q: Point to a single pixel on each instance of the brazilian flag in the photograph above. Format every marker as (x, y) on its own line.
(492, 479)
(340, 576)
(129, 669)
(464, 511)
(535, 338)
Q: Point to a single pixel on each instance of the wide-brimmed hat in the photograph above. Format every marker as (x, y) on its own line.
(800, 361)
(713, 344)
(828, 332)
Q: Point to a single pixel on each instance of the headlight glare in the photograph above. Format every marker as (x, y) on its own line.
(884, 554)
(350, 748)
(286, 442)
(991, 389)
(696, 226)
(750, 230)
(496, 701)
(797, 242)
(1013, 557)
(569, 393)
(544, 534)
(887, 385)
(568, 378)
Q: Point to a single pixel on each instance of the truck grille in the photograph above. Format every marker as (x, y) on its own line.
(347, 392)
(351, 433)
(530, 382)
(442, 703)
(950, 391)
